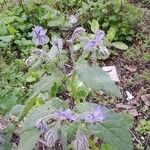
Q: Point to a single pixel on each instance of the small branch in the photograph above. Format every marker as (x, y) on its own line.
(136, 138)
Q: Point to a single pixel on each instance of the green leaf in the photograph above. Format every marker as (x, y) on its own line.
(113, 131)
(16, 110)
(94, 26)
(76, 47)
(111, 34)
(29, 104)
(63, 138)
(71, 130)
(11, 29)
(28, 139)
(3, 30)
(6, 38)
(92, 145)
(107, 147)
(119, 45)
(38, 112)
(45, 84)
(96, 78)
(7, 136)
(31, 79)
(84, 107)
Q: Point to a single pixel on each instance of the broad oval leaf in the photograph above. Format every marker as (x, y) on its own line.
(119, 45)
(28, 139)
(114, 132)
(96, 78)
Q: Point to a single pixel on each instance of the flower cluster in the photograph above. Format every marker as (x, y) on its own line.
(52, 135)
(93, 116)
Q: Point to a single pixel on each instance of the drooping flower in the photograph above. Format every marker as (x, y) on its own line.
(42, 125)
(62, 114)
(99, 36)
(75, 34)
(39, 36)
(104, 52)
(51, 136)
(73, 19)
(91, 44)
(81, 142)
(29, 61)
(96, 115)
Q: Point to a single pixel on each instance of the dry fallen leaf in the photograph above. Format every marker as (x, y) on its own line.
(129, 96)
(146, 99)
(133, 112)
(112, 72)
(131, 69)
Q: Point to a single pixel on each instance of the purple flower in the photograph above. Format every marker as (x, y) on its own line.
(99, 36)
(39, 36)
(91, 44)
(94, 116)
(42, 125)
(62, 114)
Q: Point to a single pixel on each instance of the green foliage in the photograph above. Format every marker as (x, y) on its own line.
(96, 78)
(143, 127)
(23, 90)
(11, 85)
(7, 135)
(28, 139)
(121, 15)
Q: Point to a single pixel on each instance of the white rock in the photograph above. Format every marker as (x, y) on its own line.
(129, 95)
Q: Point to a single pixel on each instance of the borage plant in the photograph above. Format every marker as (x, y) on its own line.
(51, 121)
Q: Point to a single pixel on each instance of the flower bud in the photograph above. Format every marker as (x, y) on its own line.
(42, 125)
(81, 142)
(73, 19)
(51, 136)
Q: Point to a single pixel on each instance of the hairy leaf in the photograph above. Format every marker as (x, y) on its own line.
(28, 139)
(46, 82)
(114, 131)
(29, 104)
(96, 78)
(38, 112)
(120, 45)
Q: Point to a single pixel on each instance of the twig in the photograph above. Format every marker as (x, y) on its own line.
(136, 138)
